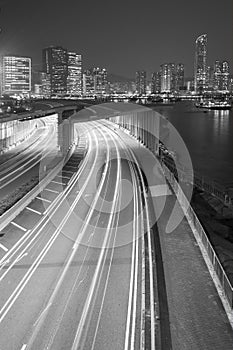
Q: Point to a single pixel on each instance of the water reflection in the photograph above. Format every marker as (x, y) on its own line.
(209, 138)
(221, 123)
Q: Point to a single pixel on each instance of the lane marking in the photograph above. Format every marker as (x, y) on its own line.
(160, 190)
(48, 189)
(19, 226)
(42, 313)
(59, 183)
(2, 264)
(71, 166)
(34, 211)
(20, 257)
(3, 247)
(67, 171)
(24, 347)
(43, 199)
(63, 177)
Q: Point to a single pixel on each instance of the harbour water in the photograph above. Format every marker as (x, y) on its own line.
(208, 137)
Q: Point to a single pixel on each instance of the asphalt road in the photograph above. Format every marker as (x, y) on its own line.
(20, 165)
(72, 269)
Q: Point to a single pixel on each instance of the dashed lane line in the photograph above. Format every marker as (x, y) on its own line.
(59, 183)
(34, 211)
(44, 199)
(3, 247)
(48, 189)
(19, 226)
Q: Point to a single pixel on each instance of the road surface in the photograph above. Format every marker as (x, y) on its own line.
(72, 264)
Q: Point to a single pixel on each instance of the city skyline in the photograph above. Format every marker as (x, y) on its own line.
(117, 41)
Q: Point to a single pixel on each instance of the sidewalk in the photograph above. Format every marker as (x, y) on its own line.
(197, 318)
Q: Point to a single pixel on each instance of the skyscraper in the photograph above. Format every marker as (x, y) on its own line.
(200, 64)
(16, 75)
(156, 83)
(140, 81)
(100, 80)
(45, 85)
(167, 71)
(225, 76)
(179, 77)
(88, 83)
(74, 77)
(54, 60)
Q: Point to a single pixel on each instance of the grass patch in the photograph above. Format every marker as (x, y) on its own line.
(12, 198)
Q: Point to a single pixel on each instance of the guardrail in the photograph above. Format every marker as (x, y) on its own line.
(11, 213)
(201, 238)
(203, 183)
(216, 269)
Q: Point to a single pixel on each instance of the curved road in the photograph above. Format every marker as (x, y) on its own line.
(72, 275)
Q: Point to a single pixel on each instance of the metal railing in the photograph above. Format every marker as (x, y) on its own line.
(203, 183)
(201, 237)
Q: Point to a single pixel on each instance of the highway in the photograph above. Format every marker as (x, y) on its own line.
(22, 164)
(72, 264)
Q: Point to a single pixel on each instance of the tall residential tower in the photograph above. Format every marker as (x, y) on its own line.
(54, 60)
(200, 64)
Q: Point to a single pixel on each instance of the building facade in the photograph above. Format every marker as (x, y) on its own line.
(140, 81)
(88, 83)
(167, 71)
(200, 64)
(179, 77)
(55, 64)
(156, 83)
(95, 82)
(15, 75)
(74, 74)
(221, 76)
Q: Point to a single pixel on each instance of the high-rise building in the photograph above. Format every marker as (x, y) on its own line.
(100, 80)
(217, 81)
(156, 83)
(225, 76)
(45, 85)
(88, 83)
(74, 77)
(15, 75)
(200, 65)
(55, 64)
(179, 77)
(221, 76)
(167, 71)
(140, 81)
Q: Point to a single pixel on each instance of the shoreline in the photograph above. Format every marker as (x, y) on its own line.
(217, 221)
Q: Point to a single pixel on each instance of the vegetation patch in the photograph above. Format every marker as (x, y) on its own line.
(12, 198)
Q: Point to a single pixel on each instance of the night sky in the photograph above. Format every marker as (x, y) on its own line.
(122, 36)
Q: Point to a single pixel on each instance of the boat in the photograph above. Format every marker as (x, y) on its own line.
(220, 105)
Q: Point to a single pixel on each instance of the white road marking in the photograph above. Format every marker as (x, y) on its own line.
(70, 166)
(19, 226)
(63, 177)
(34, 211)
(160, 190)
(42, 313)
(20, 257)
(3, 247)
(24, 347)
(43, 199)
(2, 264)
(67, 171)
(59, 183)
(48, 189)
